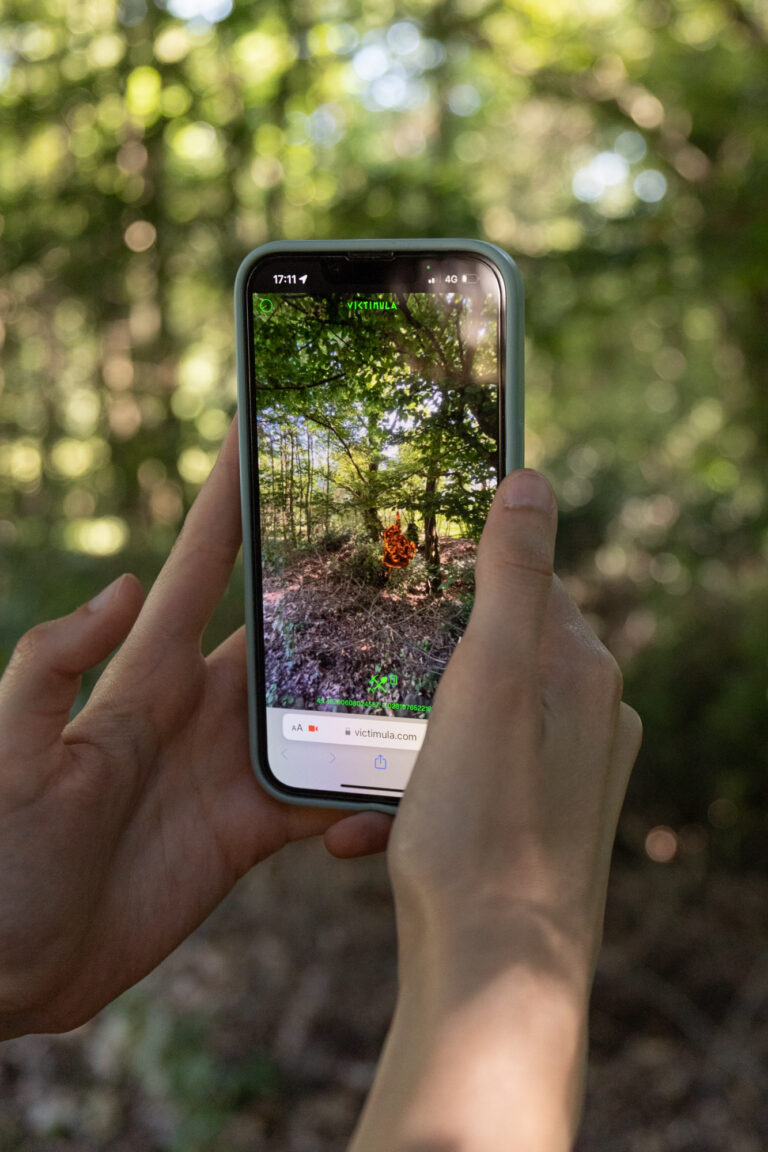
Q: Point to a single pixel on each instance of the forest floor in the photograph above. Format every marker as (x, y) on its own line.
(327, 630)
(262, 1031)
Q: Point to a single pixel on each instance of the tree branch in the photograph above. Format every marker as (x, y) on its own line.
(325, 423)
(301, 387)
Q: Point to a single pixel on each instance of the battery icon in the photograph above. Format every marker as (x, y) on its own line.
(469, 278)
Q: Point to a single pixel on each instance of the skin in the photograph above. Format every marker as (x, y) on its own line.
(499, 861)
(121, 830)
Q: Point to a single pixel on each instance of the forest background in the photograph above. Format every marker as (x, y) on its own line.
(619, 150)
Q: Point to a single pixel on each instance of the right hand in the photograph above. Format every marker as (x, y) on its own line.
(506, 828)
(499, 858)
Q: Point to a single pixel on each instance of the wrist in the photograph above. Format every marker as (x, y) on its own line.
(489, 1037)
(510, 1059)
(451, 955)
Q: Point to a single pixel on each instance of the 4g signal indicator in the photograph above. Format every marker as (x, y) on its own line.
(453, 278)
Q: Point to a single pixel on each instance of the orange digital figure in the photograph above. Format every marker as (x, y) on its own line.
(398, 550)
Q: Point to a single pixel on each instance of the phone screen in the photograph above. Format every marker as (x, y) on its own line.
(376, 427)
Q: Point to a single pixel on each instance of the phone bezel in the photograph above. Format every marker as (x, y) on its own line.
(510, 454)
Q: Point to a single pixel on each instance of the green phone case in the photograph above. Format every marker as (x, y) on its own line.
(514, 393)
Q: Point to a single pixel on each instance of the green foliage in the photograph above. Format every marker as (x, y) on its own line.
(205, 1091)
(274, 555)
(716, 682)
(173, 1057)
(362, 414)
(362, 563)
(289, 628)
(333, 541)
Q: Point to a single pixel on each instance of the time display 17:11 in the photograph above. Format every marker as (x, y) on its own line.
(288, 278)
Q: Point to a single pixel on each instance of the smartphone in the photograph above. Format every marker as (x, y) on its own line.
(380, 400)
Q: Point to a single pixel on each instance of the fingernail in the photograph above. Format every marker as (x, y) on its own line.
(528, 488)
(104, 596)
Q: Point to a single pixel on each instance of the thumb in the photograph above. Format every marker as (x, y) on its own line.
(43, 676)
(513, 575)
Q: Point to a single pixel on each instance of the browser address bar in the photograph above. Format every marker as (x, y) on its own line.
(369, 731)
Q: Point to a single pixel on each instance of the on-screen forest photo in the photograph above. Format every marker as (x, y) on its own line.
(378, 444)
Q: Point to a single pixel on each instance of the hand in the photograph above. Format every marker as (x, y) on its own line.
(499, 859)
(121, 830)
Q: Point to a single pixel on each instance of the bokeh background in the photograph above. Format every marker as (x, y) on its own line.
(619, 150)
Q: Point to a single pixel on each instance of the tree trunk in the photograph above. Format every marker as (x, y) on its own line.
(282, 491)
(431, 542)
(308, 501)
(272, 511)
(327, 482)
(371, 518)
(291, 517)
(300, 475)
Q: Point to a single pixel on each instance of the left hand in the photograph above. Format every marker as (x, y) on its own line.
(122, 829)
